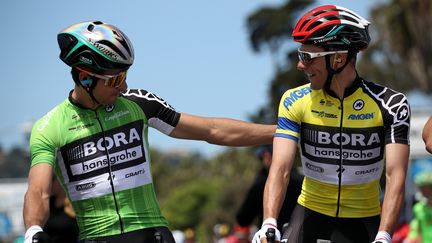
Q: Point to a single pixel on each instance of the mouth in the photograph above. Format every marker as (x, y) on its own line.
(309, 75)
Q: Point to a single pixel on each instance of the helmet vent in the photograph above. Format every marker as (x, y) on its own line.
(115, 33)
(90, 27)
(104, 50)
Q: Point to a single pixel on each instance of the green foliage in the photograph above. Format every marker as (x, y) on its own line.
(198, 193)
(400, 55)
(272, 26)
(187, 203)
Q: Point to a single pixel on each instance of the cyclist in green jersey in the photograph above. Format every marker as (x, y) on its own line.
(421, 226)
(96, 143)
(345, 127)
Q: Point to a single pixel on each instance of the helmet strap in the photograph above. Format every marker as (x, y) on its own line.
(89, 89)
(88, 86)
(331, 71)
(93, 97)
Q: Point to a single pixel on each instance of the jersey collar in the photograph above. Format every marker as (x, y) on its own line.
(349, 90)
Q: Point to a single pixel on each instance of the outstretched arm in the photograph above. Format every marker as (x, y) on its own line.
(223, 131)
(36, 200)
(396, 168)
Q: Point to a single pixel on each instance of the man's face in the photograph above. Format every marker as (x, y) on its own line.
(108, 87)
(107, 95)
(316, 70)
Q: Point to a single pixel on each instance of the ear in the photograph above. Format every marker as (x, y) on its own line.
(338, 59)
(87, 82)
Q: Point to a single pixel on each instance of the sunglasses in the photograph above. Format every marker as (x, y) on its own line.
(307, 57)
(113, 81)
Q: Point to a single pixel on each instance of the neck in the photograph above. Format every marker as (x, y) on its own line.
(343, 80)
(83, 98)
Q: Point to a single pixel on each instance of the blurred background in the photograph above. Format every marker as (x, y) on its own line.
(220, 58)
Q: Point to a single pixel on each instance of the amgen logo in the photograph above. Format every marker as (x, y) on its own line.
(295, 95)
(365, 116)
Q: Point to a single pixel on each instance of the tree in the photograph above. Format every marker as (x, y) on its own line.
(271, 28)
(400, 54)
(198, 193)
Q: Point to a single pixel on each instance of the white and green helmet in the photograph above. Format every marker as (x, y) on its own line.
(97, 46)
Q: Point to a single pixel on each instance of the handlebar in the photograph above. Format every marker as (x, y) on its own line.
(158, 237)
(271, 235)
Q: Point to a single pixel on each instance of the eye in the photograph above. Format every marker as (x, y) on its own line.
(305, 57)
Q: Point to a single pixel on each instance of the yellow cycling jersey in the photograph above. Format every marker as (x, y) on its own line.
(342, 143)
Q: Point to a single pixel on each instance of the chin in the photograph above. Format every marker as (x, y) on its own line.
(109, 101)
(316, 86)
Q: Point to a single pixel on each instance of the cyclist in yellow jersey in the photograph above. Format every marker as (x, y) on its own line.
(345, 128)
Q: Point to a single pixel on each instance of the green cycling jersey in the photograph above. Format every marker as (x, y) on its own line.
(421, 225)
(102, 159)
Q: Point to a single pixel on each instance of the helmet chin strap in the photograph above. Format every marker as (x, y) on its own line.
(89, 89)
(88, 85)
(331, 71)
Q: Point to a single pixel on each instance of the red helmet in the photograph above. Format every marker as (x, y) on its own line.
(332, 26)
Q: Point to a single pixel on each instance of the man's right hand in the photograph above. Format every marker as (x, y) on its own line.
(35, 234)
(267, 224)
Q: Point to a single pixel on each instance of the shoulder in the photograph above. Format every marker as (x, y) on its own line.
(51, 117)
(393, 103)
(383, 93)
(292, 96)
(153, 107)
(137, 93)
(141, 95)
(298, 91)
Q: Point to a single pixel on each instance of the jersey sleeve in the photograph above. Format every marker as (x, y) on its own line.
(397, 118)
(395, 110)
(289, 114)
(43, 147)
(160, 115)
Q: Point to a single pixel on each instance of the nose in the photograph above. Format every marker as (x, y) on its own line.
(123, 86)
(301, 66)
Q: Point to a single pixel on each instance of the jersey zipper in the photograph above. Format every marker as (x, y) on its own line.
(110, 178)
(340, 170)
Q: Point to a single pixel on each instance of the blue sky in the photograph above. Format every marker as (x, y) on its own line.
(194, 54)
